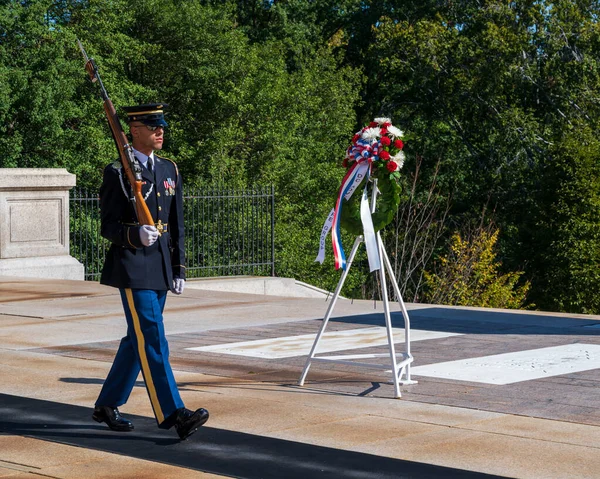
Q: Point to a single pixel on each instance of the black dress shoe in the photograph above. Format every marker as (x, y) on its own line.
(112, 417)
(188, 422)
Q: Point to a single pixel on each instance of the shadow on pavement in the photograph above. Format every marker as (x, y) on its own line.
(138, 384)
(453, 320)
(211, 450)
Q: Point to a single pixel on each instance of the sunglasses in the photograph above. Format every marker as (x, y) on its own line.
(151, 128)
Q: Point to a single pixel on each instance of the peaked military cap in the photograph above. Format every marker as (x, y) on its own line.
(151, 114)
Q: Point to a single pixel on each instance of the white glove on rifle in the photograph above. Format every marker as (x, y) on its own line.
(148, 235)
(178, 285)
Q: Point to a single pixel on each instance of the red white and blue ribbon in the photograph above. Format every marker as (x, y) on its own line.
(363, 152)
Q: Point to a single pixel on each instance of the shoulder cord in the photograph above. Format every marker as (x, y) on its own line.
(125, 191)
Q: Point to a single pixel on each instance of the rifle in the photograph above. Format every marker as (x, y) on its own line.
(131, 167)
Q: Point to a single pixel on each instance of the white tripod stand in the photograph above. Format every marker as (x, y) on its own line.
(400, 362)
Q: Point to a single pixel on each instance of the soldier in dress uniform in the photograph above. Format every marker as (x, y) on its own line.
(144, 262)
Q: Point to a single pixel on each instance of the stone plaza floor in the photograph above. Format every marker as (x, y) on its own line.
(499, 393)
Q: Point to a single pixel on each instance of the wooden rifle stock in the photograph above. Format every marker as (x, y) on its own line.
(131, 167)
(134, 175)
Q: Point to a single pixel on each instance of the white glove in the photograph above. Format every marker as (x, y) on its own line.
(148, 235)
(178, 285)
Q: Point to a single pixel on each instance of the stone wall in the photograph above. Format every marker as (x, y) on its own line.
(34, 223)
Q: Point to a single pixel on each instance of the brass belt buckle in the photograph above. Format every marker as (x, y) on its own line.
(161, 227)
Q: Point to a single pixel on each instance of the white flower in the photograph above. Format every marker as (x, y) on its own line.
(398, 158)
(371, 133)
(381, 121)
(395, 132)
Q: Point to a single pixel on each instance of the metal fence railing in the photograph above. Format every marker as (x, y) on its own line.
(227, 232)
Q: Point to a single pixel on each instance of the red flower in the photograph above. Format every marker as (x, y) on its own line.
(345, 163)
(373, 124)
(385, 141)
(391, 166)
(383, 131)
(386, 124)
(384, 155)
(399, 144)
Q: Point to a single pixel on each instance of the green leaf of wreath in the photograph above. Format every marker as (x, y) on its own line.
(387, 204)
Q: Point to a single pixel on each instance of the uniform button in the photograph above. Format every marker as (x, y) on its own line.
(157, 194)
(159, 208)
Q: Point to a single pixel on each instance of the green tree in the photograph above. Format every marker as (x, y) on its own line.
(468, 275)
(270, 92)
(239, 115)
(567, 231)
(50, 115)
(490, 87)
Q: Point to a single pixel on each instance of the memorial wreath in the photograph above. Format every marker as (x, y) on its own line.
(376, 151)
(381, 144)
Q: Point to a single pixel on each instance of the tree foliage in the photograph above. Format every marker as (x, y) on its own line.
(469, 275)
(499, 101)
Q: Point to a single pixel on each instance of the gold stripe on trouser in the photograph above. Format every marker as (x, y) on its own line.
(141, 343)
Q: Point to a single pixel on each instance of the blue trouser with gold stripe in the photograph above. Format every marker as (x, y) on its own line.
(145, 347)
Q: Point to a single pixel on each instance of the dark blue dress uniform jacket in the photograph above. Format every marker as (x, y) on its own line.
(128, 263)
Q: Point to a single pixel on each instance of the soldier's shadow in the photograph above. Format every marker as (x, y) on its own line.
(68, 433)
(137, 384)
